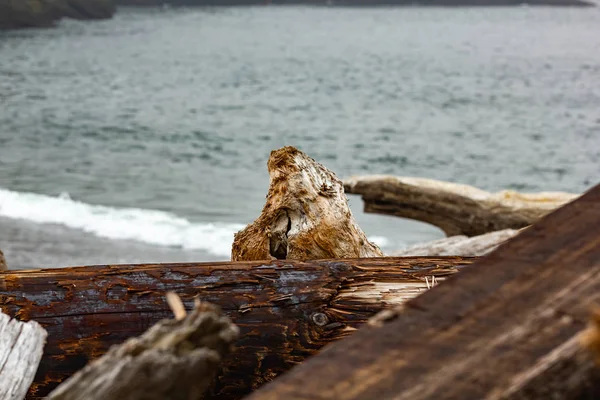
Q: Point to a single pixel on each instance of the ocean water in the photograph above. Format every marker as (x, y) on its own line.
(145, 138)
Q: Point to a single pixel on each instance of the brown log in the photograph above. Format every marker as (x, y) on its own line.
(286, 310)
(459, 245)
(21, 347)
(176, 359)
(306, 216)
(456, 209)
(507, 327)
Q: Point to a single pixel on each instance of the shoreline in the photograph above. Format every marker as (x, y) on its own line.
(28, 245)
(46, 13)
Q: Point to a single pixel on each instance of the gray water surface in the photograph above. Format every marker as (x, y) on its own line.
(176, 110)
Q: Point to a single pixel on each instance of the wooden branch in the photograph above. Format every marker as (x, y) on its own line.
(459, 245)
(455, 209)
(306, 216)
(507, 327)
(175, 359)
(286, 310)
(21, 348)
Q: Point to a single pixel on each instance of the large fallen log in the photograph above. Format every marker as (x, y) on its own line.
(286, 310)
(21, 347)
(176, 359)
(305, 217)
(456, 209)
(507, 327)
(460, 245)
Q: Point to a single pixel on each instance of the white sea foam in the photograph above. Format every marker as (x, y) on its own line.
(379, 240)
(149, 226)
(143, 225)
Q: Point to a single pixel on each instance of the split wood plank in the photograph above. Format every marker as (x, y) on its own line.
(21, 348)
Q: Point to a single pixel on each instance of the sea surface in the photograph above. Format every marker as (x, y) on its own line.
(145, 138)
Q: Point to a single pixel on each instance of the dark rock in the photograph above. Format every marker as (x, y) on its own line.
(87, 9)
(44, 13)
(25, 14)
(362, 3)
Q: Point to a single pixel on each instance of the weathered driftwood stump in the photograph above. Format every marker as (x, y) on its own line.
(459, 245)
(454, 208)
(21, 349)
(175, 359)
(306, 216)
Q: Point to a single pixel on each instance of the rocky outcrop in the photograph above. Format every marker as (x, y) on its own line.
(26, 14)
(363, 3)
(86, 9)
(44, 13)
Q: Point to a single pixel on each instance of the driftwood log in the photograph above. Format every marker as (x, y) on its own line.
(306, 216)
(286, 310)
(460, 245)
(456, 209)
(176, 359)
(507, 327)
(21, 348)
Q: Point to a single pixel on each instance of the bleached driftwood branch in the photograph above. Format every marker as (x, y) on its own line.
(459, 245)
(456, 209)
(175, 359)
(306, 215)
(21, 349)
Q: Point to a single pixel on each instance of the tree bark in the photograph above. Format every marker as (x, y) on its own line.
(456, 209)
(306, 216)
(507, 327)
(286, 310)
(175, 359)
(21, 348)
(459, 245)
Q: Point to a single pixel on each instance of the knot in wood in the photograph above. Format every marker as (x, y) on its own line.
(320, 319)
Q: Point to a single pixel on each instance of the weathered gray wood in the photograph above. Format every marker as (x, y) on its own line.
(306, 216)
(507, 327)
(21, 349)
(176, 359)
(459, 245)
(454, 208)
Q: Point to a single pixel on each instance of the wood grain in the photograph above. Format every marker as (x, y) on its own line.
(176, 359)
(21, 348)
(455, 208)
(507, 327)
(286, 310)
(305, 217)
